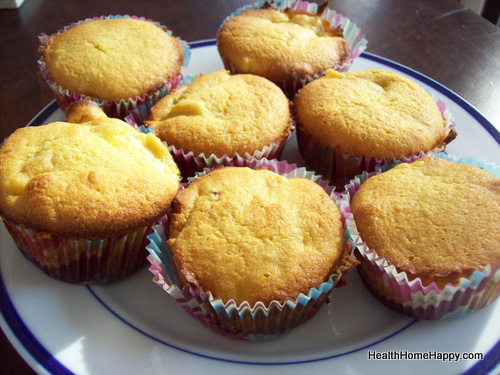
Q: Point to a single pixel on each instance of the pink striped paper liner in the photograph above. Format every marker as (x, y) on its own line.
(411, 297)
(82, 260)
(119, 109)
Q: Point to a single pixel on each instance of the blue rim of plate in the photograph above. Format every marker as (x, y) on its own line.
(45, 359)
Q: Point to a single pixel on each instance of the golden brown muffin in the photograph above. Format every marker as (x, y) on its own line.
(371, 113)
(89, 177)
(223, 114)
(433, 219)
(253, 235)
(281, 45)
(112, 59)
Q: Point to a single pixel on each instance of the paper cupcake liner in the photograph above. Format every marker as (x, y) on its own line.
(411, 297)
(81, 260)
(339, 167)
(119, 109)
(352, 34)
(189, 163)
(243, 321)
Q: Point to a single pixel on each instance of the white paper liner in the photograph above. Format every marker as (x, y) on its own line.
(119, 109)
(352, 34)
(412, 298)
(244, 321)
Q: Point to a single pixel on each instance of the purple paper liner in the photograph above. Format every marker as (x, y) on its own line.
(243, 321)
(411, 297)
(121, 108)
(339, 167)
(82, 260)
(189, 163)
(352, 34)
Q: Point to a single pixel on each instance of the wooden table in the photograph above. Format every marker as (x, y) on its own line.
(441, 39)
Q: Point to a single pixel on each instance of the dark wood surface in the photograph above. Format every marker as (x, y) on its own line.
(439, 38)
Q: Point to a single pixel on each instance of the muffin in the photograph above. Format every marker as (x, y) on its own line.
(289, 43)
(259, 251)
(222, 115)
(79, 197)
(123, 63)
(351, 122)
(429, 248)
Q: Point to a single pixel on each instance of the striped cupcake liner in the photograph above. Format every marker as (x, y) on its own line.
(258, 322)
(352, 34)
(189, 163)
(82, 260)
(119, 109)
(339, 167)
(411, 297)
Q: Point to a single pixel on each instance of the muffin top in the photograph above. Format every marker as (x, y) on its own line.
(253, 235)
(372, 113)
(433, 219)
(221, 114)
(281, 45)
(90, 176)
(113, 59)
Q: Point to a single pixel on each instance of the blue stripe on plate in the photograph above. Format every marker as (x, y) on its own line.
(248, 362)
(25, 337)
(488, 363)
(44, 114)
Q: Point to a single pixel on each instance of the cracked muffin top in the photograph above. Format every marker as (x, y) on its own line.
(222, 114)
(281, 45)
(112, 59)
(90, 176)
(371, 113)
(253, 235)
(433, 219)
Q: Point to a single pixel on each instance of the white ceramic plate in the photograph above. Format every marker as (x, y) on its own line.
(133, 327)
